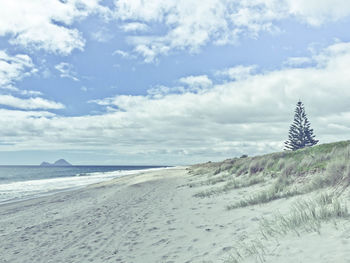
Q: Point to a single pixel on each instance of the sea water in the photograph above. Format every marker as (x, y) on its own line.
(24, 182)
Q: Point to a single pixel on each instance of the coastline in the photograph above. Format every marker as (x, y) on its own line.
(94, 216)
(155, 217)
(18, 191)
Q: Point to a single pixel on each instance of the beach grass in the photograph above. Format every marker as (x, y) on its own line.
(285, 174)
(231, 185)
(303, 216)
(314, 178)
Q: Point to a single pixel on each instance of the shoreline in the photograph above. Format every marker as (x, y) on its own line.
(158, 217)
(38, 229)
(77, 187)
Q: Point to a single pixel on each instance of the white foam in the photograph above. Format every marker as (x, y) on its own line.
(29, 189)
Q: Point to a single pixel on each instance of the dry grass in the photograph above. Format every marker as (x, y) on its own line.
(277, 190)
(304, 216)
(323, 168)
(317, 167)
(230, 185)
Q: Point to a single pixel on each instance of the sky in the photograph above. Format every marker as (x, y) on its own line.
(168, 82)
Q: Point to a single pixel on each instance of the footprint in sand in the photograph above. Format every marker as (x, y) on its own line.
(227, 248)
(162, 241)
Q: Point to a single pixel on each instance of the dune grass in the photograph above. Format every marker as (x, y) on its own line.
(336, 174)
(298, 162)
(323, 168)
(276, 191)
(327, 167)
(230, 185)
(304, 216)
(212, 180)
(289, 173)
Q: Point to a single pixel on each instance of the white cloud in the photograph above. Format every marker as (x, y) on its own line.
(317, 12)
(29, 92)
(135, 26)
(103, 35)
(13, 89)
(189, 25)
(14, 68)
(237, 73)
(13, 114)
(83, 88)
(298, 61)
(30, 103)
(122, 53)
(171, 25)
(67, 71)
(197, 83)
(46, 24)
(250, 115)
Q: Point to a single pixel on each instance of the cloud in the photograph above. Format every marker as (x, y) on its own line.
(67, 71)
(316, 12)
(197, 83)
(29, 104)
(298, 61)
(46, 25)
(29, 92)
(83, 88)
(248, 115)
(122, 53)
(103, 35)
(170, 25)
(255, 110)
(135, 26)
(14, 68)
(189, 84)
(237, 73)
(189, 26)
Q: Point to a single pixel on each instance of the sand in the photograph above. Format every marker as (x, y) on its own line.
(152, 217)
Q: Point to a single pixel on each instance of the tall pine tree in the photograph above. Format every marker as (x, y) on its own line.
(300, 133)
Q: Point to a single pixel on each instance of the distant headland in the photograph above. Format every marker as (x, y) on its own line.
(60, 162)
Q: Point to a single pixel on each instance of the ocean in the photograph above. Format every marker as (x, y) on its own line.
(25, 182)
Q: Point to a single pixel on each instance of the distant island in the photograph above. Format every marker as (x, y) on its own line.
(60, 162)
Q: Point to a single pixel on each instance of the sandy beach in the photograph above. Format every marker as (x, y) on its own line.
(150, 217)
(174, 131)
(154, 217)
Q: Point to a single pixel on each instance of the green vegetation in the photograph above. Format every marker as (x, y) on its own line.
(287, 173)
(300, 133)
(230, 185)
(306, 215)
(276, 191)
(322, 171)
